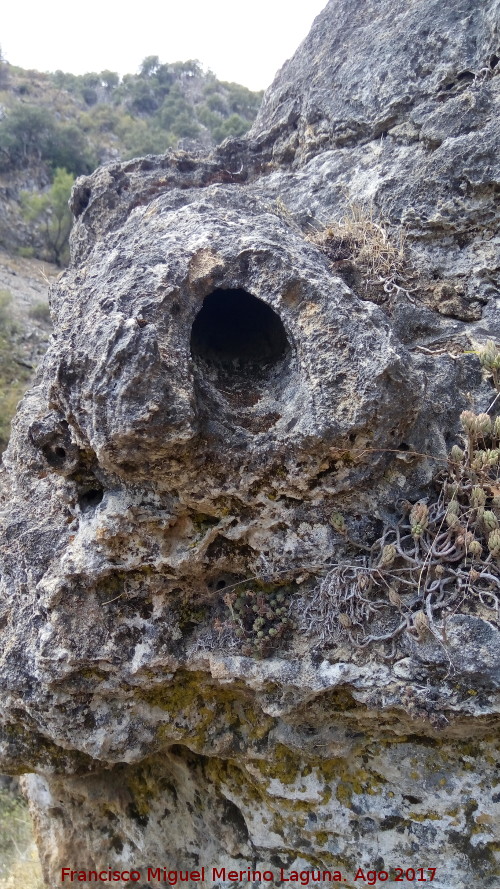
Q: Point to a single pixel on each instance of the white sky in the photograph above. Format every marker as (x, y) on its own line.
(243, 42)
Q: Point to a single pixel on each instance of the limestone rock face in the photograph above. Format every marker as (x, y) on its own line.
(211, 658)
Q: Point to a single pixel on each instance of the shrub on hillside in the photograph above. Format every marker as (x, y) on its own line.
(26, 135)
(30, 134)
(50, 215)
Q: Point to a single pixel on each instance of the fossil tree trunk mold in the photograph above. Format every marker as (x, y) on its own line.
(237, 400)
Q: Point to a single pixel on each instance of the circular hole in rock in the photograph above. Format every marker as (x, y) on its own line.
(238, 333)
(90, 499)
(54, 455)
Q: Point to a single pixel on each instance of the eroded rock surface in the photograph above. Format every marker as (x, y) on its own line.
(233, 408)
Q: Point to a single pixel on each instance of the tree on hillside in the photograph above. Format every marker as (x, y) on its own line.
(149, 66)
(109, 79)
(70, 150)
(25, 134)
(30, 134)
(50, 215)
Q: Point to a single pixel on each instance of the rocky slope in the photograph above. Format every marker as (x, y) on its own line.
(250, 592)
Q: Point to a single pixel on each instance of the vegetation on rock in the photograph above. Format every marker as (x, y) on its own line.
(439, 558)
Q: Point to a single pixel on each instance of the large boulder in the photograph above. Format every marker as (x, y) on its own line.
(211, 656)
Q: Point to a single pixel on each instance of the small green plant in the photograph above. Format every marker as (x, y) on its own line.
(442, 556)
(489, 357)
(261, 617)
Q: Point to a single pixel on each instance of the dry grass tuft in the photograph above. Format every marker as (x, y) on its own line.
(367, 253)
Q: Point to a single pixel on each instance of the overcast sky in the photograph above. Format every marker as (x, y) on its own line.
(243, 42)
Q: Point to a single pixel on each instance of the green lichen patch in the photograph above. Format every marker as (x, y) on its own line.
(203, 711)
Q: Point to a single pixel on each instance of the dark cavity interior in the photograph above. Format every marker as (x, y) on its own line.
(238, 332)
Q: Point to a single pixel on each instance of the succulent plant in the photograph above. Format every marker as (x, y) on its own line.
(489, 356)
(477, 497)
(451, 519)
(437, 558)
(490, 520)
(456, 454)
(389, 553)
(464, 538)
(468, 421)
(337, 522)
(394, 597)
(483, 424)
(485, 459)
(475, 549)
(494, 543)
(421, 623)
(418, 519)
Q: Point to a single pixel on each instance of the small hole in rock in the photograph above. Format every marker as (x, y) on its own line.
(221, 582)
(90, 499)
(494, 60)
(81, 200)
(238, 332)
(54, 455)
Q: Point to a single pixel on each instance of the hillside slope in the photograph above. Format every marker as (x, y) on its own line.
(24, 328)
(57, 120)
